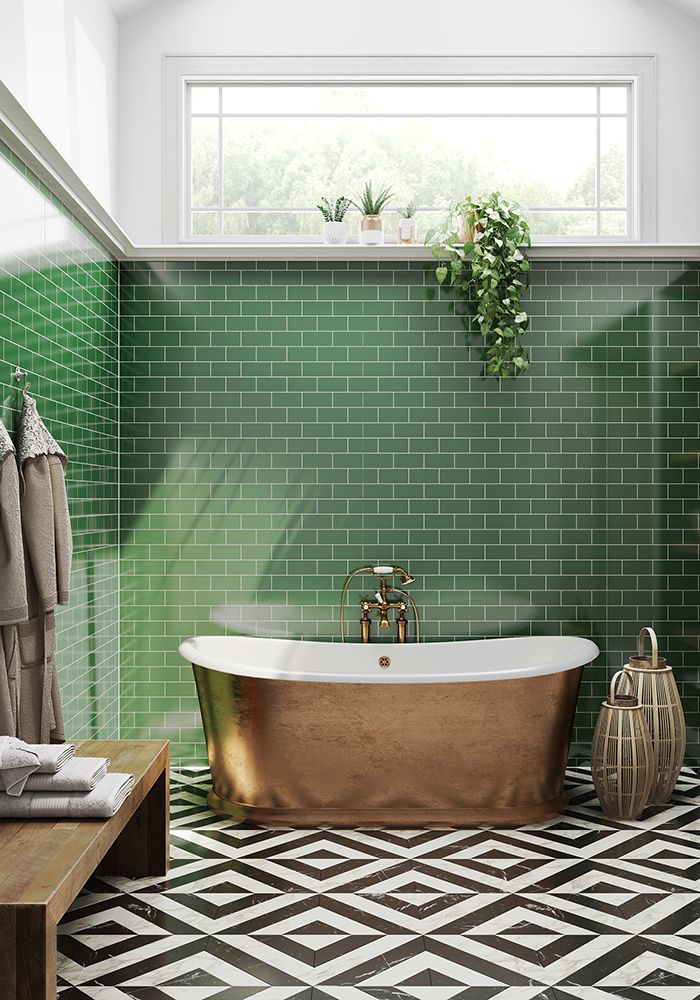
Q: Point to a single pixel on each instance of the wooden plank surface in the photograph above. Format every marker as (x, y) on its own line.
(143, 846)
(47, 862)
(28, 953)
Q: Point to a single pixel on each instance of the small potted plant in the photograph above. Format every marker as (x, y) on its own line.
(408, 224)
(334, 228)
(372, 206)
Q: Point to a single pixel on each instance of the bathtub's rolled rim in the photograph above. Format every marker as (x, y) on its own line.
(204, 651)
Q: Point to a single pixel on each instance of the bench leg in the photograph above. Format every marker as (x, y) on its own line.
(28, 953)
(142, 847)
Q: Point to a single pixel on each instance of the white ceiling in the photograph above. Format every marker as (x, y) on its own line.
(691, 7)
(122, 8)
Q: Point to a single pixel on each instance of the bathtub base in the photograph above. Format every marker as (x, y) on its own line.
(405, 818)
(403, 755)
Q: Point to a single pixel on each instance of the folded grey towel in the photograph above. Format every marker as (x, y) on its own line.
(101, 803)
(80, 774)
(52, 756)
(17, 763)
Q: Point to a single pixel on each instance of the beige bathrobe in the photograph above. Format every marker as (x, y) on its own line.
(13, 585)
(48, 551)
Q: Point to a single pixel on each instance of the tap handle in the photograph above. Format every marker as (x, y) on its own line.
(365, 622)
(401, 626)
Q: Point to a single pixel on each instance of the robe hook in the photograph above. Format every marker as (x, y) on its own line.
(18, 375)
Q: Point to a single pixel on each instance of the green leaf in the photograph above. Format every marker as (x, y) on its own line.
(492, 284)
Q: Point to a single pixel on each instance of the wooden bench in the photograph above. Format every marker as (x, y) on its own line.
(45, 863)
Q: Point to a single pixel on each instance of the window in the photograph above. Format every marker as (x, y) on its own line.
(257, 152)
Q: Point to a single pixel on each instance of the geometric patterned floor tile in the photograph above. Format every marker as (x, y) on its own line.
(575, 908)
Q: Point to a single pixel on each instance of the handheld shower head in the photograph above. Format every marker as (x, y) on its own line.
(406, 576)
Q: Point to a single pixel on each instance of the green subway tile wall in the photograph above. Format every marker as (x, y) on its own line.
(283, 424)
(59, 321)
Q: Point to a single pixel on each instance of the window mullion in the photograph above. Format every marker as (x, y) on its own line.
(632, 166)
(221, 162)
(597, 163)
(187, 153)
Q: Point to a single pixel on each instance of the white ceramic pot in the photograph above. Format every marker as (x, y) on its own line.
(335, 232)
(408, 230)
(371, 230)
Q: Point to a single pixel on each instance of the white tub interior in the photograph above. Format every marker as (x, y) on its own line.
(413, 663)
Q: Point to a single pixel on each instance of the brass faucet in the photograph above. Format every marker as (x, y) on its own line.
(383, 603)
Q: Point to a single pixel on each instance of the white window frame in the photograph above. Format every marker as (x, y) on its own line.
(637, 72)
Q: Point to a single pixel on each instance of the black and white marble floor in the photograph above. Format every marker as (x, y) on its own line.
(578, 908)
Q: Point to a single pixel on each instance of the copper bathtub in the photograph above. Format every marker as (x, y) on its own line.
(321, 734)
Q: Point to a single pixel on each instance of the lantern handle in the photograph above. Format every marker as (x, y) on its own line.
(613, 692)
(654, 645)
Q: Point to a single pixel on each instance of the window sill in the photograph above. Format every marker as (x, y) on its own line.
(395, 252)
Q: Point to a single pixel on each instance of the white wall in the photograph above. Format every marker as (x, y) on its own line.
(59, 59)
(399, 27)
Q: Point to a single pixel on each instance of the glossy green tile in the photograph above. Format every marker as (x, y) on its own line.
(59, 322)
(348, 423)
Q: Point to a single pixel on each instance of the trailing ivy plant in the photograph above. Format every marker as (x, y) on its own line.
(492, 231)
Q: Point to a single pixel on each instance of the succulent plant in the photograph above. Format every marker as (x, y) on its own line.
(409, 211)
(371, 203)
(334, 211)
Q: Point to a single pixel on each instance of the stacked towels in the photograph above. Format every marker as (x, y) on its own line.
(42, 781)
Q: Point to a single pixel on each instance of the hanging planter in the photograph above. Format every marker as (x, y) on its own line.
(652, 682)
(623, 763)
(478, 251)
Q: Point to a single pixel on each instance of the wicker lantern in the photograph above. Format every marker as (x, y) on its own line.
(622, 756)
(652, 682)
